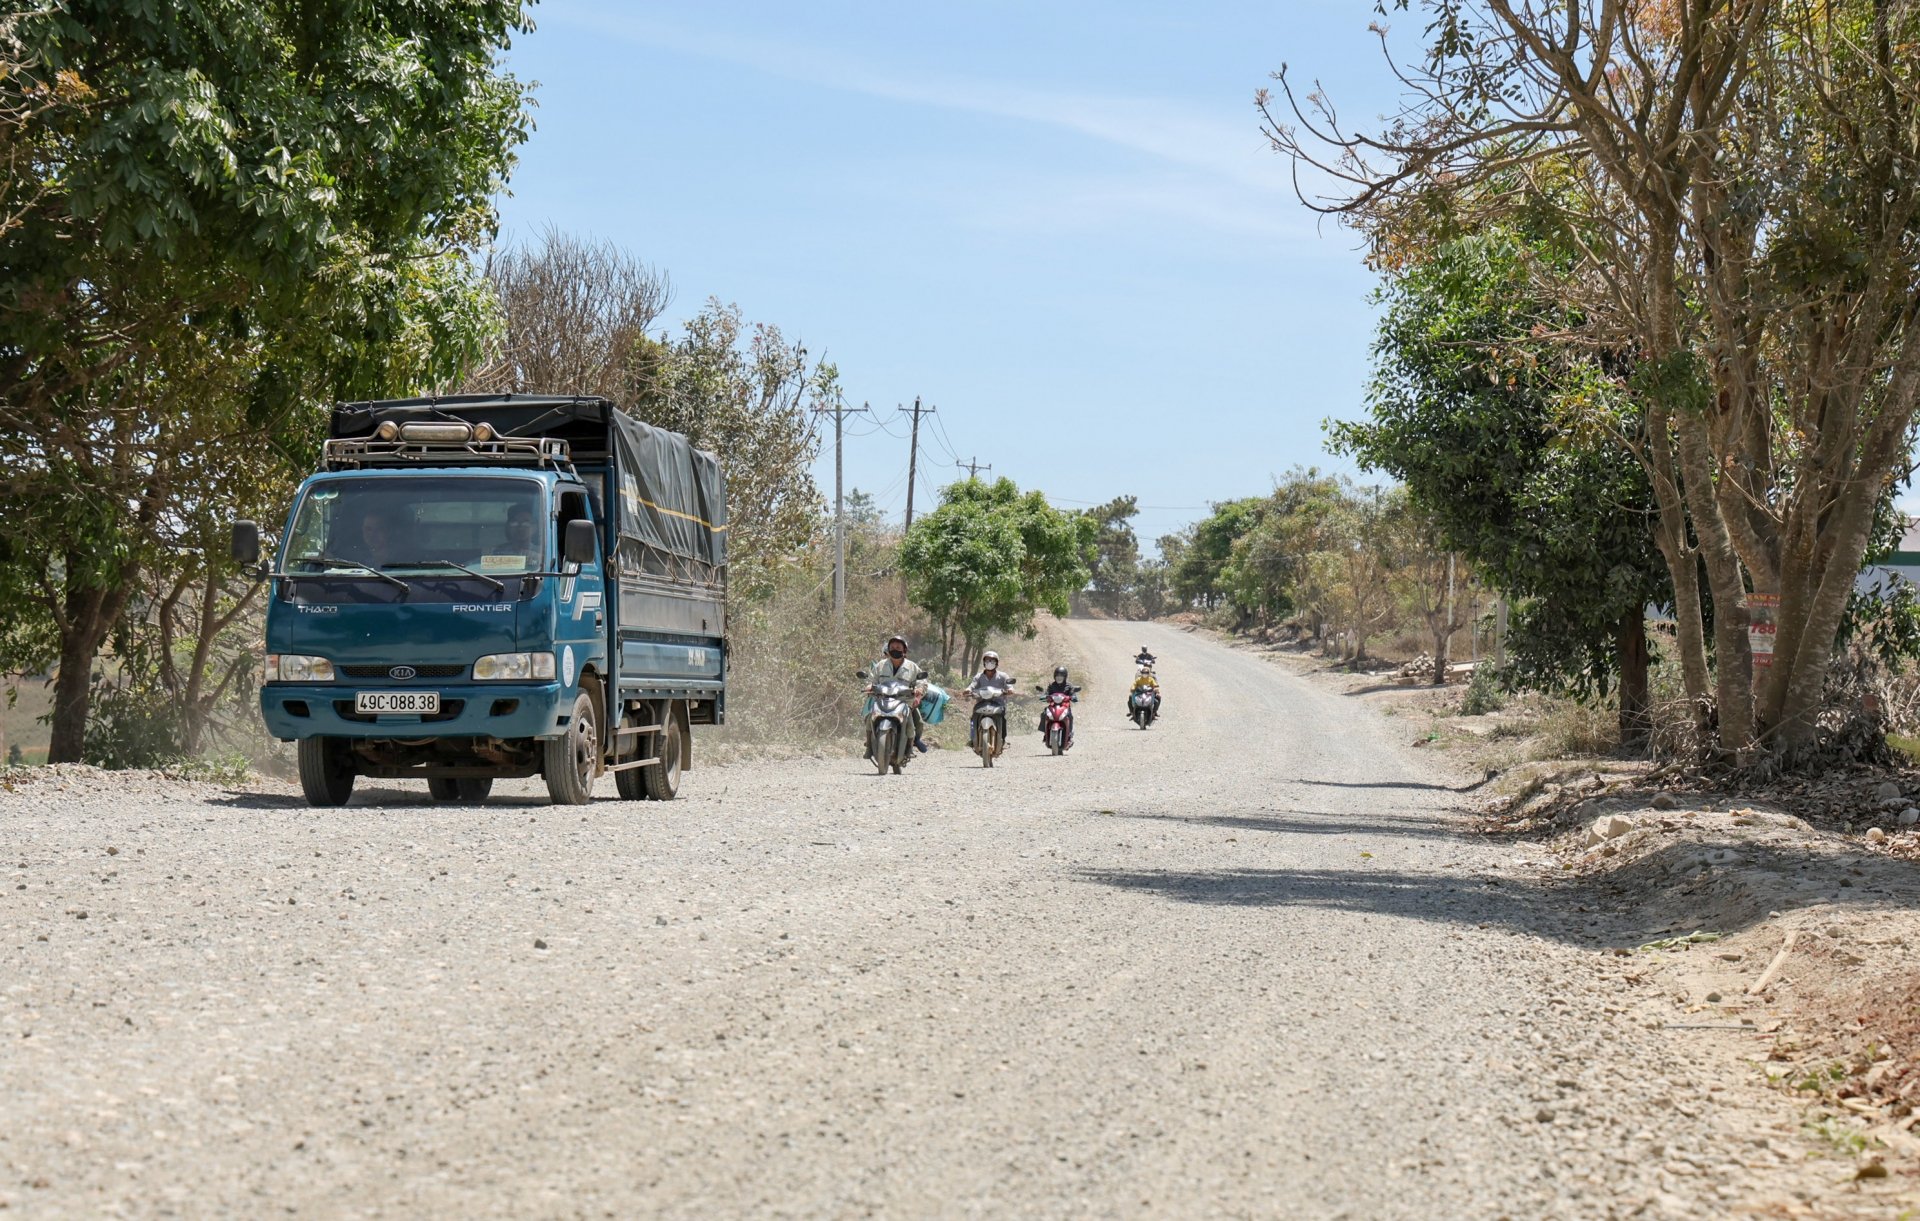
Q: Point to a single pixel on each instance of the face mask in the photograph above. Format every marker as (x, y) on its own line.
(896, 654)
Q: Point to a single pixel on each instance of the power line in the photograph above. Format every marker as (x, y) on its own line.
(946, 442)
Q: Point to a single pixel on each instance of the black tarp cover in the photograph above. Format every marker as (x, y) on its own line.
(671, 497)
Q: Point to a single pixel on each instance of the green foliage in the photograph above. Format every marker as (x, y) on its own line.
(219, 216)
(1511, 447)
(1484, 693)
(1204, 549)
(129, 727)
(746, 393)
(991, 557)
(1116, 564)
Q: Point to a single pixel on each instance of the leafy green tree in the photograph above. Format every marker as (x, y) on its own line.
(1740, 176)
(1471, 414)
(1204, 551)
(1116, 564)
(219, 216)
(991, 557)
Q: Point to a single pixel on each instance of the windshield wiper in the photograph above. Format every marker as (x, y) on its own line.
(497, 585)
(356, 565)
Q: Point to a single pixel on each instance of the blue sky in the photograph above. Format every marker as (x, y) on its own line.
(1058, 223)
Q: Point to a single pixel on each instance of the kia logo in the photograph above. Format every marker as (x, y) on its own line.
(402, 672)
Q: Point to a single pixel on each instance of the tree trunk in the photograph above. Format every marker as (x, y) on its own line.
(1442, 630)
(1733, 653)
(1802, 689)
(89, 615)
(1635, 722)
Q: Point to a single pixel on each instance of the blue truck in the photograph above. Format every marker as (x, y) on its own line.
(480, 587)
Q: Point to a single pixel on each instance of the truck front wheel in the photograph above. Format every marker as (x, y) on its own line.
(326, 771)
(569, 760)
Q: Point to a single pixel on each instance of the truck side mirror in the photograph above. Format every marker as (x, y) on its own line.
(577, 543)
(246, 543)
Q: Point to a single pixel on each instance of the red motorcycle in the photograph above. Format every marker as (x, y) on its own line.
(1056, 719)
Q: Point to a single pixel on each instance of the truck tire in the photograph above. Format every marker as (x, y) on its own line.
(326, 771)
(569, 761)
(469, 789)
(628, 783)
(662, 780)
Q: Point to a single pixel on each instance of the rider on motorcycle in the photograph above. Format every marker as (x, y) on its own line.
(990, 682)
(1146, 679)
(896, 665)
(1059, 686)
(1144, 658)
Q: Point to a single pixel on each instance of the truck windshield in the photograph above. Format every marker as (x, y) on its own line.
(432, 525)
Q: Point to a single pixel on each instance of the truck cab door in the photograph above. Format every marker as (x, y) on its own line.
(580, 611)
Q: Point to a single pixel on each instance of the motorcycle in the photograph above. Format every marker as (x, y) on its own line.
(889, 723)
(989, 727)
(1057, 727)
(1144, 705)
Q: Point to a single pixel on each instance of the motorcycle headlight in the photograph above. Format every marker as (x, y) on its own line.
(513, 667)
(298, 668)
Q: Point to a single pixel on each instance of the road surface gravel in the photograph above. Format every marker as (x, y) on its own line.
(1245, 963)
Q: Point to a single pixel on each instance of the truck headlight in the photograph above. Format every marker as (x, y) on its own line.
(513, 667)
(298, 668)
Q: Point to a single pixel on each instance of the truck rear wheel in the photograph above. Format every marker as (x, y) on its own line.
(326, 771)
(662, 779)
(569, 760)
(470, 789)
(654, 781)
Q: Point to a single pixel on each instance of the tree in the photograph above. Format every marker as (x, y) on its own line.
(1116, 565)
(1263, 573)
(989, 558)
(218, 216)
(748, 395)
(1739, 178)
(1466, 408)
(576, 316)
(573, 314)
(1205, 549)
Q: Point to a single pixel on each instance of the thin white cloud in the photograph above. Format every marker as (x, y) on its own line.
(1233, 156)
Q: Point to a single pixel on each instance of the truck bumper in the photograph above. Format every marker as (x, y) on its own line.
(467, 710)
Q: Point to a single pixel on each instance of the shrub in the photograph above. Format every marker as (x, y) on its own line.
(1484, 693)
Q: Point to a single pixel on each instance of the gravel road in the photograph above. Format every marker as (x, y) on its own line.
(1242, 964)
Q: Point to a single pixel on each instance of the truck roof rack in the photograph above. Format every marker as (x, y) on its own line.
(362, 453)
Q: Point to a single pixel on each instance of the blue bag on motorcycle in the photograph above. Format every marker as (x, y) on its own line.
(933, 705)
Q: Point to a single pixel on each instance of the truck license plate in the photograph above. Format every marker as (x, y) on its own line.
(397, 702)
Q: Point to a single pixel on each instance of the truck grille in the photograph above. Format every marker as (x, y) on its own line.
(434, 670)
(449, 709)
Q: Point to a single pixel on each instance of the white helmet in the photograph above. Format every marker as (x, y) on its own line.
(989, 656)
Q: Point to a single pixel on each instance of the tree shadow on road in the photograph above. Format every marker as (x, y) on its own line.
(1317, 822)
(1402, 784)
(1673, 889)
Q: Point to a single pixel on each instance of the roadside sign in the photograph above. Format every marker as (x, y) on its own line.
(1762, 626)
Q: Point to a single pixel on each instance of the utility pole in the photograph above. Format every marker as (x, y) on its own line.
(913, 452)
(974, 468)
(839, 411)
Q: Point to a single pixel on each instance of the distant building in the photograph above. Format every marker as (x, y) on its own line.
(1903, 564)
